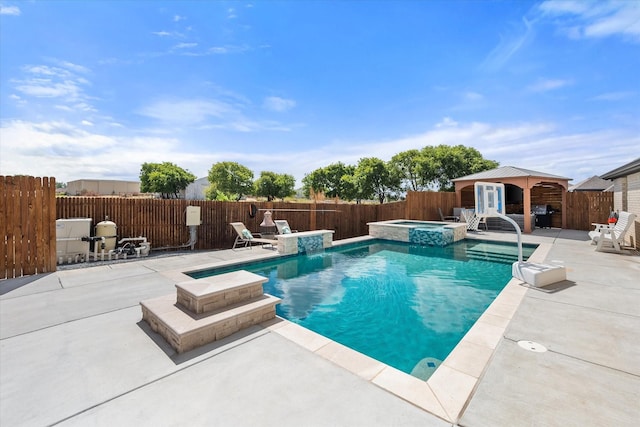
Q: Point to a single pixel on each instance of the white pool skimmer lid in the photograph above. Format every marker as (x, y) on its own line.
(532, 346)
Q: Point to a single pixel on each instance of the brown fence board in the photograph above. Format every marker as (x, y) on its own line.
(27, 226)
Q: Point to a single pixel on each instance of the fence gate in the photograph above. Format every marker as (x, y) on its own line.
(27, 226)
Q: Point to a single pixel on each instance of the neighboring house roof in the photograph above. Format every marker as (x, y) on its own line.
(508, 172)
(624, 170)
(595, 183)
(102, 180)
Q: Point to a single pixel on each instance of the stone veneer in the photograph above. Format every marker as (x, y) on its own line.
(392, 230)
(293, 243)
(209, 309)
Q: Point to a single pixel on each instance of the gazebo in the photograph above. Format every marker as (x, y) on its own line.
(523, 189)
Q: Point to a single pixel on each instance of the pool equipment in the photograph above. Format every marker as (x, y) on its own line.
(74, 241)
(489, 202)
(109, 231)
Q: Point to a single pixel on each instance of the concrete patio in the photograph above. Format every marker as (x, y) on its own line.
(74, 351)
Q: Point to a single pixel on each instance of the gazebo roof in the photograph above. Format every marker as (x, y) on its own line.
(509, 172)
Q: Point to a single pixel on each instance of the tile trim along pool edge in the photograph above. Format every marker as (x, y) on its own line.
(447, 392)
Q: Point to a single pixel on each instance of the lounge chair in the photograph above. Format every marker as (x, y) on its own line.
(613, 235)
(246, 238)
(448, 218)
(283, 227)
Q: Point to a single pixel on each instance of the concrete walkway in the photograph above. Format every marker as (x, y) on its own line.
(73, 351)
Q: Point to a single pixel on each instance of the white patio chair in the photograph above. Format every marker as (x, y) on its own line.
(246, 238)
(612, 235)
(283, 226)
(448, 218)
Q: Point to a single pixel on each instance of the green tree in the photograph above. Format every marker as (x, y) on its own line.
(274, 185)
(212, 193)
(455, 162)
(376, 178)
(335, 180)
(231, 178)
(408, 165)
(339, 181)
(316, 181)
(165, 178)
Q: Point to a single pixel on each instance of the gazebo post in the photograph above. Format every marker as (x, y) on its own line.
(526, 201)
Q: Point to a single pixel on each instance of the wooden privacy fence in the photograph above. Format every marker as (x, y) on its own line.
(163, 222)
(28, 211)
(587, 207)
(27, 222)
(424, 205)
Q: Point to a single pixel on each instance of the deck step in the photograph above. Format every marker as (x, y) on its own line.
(214, 292)
(185, 331)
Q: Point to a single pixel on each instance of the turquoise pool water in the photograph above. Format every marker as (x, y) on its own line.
(398, 303)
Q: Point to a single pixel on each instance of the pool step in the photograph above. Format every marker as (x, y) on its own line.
(493, 255)
(209, 309)
(214, 292)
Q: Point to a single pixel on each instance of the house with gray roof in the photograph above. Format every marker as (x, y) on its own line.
(626, 194)
(595, 183)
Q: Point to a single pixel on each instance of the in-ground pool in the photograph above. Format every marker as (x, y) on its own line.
(404, 305)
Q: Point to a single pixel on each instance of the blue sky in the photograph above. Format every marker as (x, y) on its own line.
(94, 89)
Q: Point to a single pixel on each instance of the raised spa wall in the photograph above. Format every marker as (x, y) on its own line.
(304, 241)
(412, 233)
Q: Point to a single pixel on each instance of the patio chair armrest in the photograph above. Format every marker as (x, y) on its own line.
(601, 226)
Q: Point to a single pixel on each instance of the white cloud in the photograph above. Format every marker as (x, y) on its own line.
(86, 123)
(545, 85)
(613, 96)
(201, 114)
(275, 103)
(537, 146)
(584, 19)
(168, 34)
(187, 112)
(219, 50)
(185, 45)
(59, 82)
(70, 152)
(473, 96)
(178, 18)
(509, 45)
(10, 10)
(447, 122)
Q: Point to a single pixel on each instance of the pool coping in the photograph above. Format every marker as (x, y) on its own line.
(450, 388)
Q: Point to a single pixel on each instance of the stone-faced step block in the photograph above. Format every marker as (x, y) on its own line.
(214, 292)
(185, 331)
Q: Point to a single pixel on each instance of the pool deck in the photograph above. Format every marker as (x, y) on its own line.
(74, 351)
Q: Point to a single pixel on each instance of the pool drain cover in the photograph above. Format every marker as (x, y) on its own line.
(532, 346)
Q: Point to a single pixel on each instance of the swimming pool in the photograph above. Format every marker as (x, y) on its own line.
(404, 305)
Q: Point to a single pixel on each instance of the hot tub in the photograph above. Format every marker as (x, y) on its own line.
(428, 233)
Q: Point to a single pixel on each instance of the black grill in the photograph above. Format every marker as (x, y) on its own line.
(543, 215)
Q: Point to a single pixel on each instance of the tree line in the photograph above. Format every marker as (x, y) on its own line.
(431, 168)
